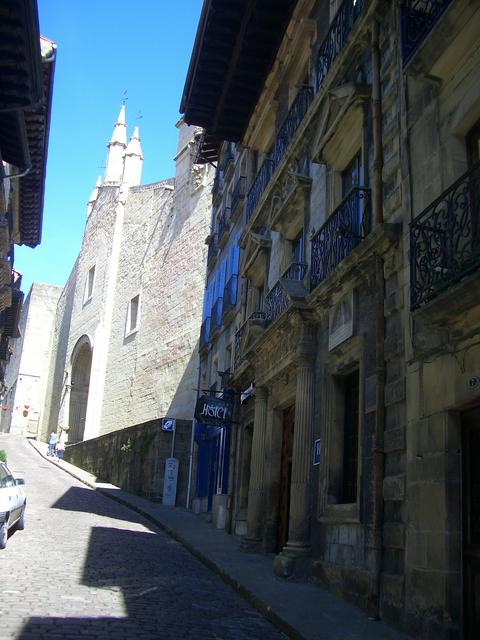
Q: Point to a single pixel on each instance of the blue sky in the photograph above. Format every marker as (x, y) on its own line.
(105, 48)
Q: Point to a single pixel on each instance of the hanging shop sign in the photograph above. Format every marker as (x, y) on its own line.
(316, 452)
(212, 410)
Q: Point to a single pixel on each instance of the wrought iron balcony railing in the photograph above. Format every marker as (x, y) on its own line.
(291, 123)
(238, 193)
(212, 249)
(237, 355)
(228, 157)
(336, 37)
(217, 313)
(342, 232)
(223, 223)
(259, 185)
(217, 182)
(230, 294)
(445, 239)
(205, 332)
(277, 300)
(418, 17)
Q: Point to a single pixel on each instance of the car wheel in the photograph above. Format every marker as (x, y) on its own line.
(21, 521)
(3, 535)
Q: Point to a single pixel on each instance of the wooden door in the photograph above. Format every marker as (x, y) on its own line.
(471, 522)
(285, 477)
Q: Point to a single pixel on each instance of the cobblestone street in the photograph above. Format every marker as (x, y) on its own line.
(87, 567)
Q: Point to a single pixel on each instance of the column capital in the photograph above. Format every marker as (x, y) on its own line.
(261, 393)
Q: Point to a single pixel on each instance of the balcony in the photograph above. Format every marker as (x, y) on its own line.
(418, 18)
(217, 187)
(348, 225)
(212, 251)
(216, 315)
(5, 351)
(229, 297)
(254, 321)
(291, 123)
(258, 187)
(238, 196)
(336, 37)
(205, 333)
(223, 226)
(226, 163)
(445, 240)
(278, 299)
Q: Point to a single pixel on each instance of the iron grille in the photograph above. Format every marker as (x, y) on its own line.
(205, 332)
(217, 312)
(291, 123)
(277, 300)
(259, 185)
(445, 239)
(212, 249)
(238, 192)
(237, 356)
(230, 294)
(223, 222)
(418, 17)
(341, 233)
(336, 37)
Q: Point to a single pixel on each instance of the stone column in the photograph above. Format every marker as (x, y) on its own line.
(256, 491)
(294, 557)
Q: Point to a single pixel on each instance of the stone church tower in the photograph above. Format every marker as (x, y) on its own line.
(125, 339)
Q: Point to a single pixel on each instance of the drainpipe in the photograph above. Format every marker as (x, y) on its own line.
(192, 440)
(378, 444)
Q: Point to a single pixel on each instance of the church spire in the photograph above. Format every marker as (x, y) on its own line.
(116, 149)
(133, 160)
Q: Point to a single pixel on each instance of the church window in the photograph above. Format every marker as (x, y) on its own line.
(89, 284)
(133, 315)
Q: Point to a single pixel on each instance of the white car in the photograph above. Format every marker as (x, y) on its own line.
(12, 503)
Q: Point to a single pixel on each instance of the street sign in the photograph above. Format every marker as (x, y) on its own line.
(316, 452)
(168, 424)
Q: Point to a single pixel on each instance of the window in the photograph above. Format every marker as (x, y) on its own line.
(352, 175)
(341, 434)
(133, 315)
(89, 284)
(348, 490)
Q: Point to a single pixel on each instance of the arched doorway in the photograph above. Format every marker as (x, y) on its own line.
(80, 382)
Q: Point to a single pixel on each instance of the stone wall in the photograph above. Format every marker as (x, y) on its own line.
(55, 391)
(139, 466)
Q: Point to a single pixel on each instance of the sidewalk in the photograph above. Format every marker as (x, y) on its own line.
(302, 610)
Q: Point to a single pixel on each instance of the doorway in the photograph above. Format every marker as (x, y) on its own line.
(471, 522)
(80, 381)
(288, 423)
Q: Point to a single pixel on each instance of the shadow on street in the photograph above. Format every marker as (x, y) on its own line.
(166, 592)
(80, 499)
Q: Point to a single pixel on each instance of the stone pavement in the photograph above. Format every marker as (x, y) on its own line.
(88, 567)
(300, 609)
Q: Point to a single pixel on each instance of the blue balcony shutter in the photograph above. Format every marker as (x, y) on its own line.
(236, 255)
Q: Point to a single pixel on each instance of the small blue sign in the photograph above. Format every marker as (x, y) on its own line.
(316, 452)
(168, 424)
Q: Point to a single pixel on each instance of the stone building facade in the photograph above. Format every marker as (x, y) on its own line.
(127, 323)
(25, 378)
(358, 319)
